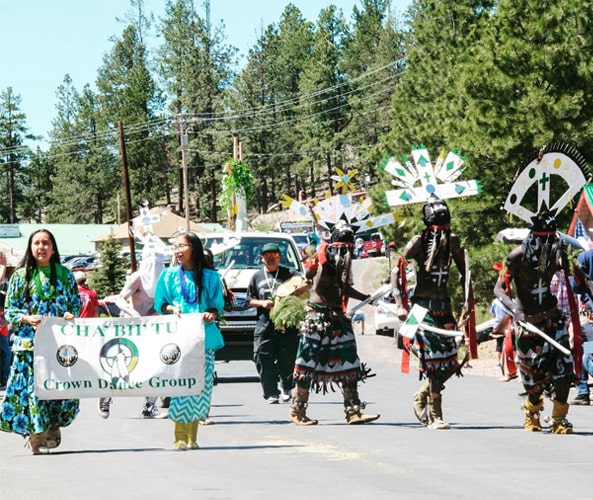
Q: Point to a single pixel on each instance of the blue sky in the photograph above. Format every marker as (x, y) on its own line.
(43, 40)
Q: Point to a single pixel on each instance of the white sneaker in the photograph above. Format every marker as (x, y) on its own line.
(104, 407)
(150, 411)
(272, 400)
(286, 396)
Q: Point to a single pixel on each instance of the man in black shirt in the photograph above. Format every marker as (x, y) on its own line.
(274, 351)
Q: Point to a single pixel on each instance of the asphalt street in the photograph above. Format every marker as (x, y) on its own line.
(253, 451)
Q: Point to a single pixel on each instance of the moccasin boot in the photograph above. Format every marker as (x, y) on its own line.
(354, 416)
(558, 423)
(532, 422)
(436, 414)
(36, 443)
(421, 404)
(53, 437)
(298, 409)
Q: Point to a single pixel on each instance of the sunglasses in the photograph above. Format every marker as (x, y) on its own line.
(271, 254)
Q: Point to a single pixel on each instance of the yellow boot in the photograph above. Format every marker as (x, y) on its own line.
(181, 433)
(531, 422)
(192, 435)
(558, 422)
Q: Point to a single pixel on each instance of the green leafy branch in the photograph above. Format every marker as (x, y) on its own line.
(238, 179)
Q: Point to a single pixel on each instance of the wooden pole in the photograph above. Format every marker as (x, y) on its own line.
(124, 163)
(183, 144)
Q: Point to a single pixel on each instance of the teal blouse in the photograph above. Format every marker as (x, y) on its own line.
(168, 291)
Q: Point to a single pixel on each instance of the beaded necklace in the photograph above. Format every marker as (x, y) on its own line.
(184, 292)
(271, 280)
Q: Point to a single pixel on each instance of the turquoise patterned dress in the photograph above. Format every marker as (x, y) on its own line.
(185, 409)
(22, 412)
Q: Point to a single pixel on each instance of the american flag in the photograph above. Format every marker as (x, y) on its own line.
(580, 231)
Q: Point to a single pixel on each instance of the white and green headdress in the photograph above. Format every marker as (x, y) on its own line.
(418, 179)
(354, 211)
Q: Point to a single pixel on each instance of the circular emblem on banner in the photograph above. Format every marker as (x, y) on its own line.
(170, 354)
(67, 355)
(118, 358)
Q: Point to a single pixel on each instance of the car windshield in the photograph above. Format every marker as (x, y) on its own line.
(301, 239)
(244, 252)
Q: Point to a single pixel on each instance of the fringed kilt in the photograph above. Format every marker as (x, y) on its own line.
(540, 363)
(186, 409)
(327, 352)
(437, 354)
(22, 412)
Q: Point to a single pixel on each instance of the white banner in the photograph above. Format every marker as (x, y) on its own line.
(99, 357)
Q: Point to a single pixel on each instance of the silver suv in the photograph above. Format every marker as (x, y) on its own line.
(237, 256)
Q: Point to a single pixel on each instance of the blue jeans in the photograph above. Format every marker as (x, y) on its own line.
(5, 359)
(583, 385)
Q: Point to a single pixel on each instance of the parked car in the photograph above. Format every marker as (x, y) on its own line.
(302, 240)
(386, 321)
(108, 307)
(83, 263)
(373, 245)
(237, 256)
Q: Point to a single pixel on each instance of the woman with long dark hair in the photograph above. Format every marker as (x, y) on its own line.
(192, 287)
(40, 287)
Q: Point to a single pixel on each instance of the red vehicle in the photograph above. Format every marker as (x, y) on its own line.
(373, 245)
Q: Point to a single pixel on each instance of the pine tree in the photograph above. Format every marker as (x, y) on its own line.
(110, 276)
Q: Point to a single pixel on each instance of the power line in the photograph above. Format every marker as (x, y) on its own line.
(166, 124)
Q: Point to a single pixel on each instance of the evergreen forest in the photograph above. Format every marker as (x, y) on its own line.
(494, 79)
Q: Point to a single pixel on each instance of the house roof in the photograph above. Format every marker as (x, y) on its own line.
(163, 223)
(72, 239)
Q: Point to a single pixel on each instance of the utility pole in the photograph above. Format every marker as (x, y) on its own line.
(124, 163)
(183, 144)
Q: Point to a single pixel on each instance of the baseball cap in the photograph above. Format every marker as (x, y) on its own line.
(270, 247)
(79, 276)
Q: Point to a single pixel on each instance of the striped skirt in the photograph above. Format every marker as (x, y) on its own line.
(186, 409)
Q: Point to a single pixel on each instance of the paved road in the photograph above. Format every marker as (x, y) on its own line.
(252, 451)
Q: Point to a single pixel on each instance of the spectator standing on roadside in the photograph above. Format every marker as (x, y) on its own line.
(192, 287)
(358, 243)
(5, 352)
(274, 351)
(137, 299)
(88, 296)
(40, 287)
(582, 397)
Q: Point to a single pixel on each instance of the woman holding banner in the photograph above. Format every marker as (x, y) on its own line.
(191, 287)
(40, 286)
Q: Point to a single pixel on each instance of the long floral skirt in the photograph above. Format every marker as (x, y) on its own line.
(22, 412)
(186, 409)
